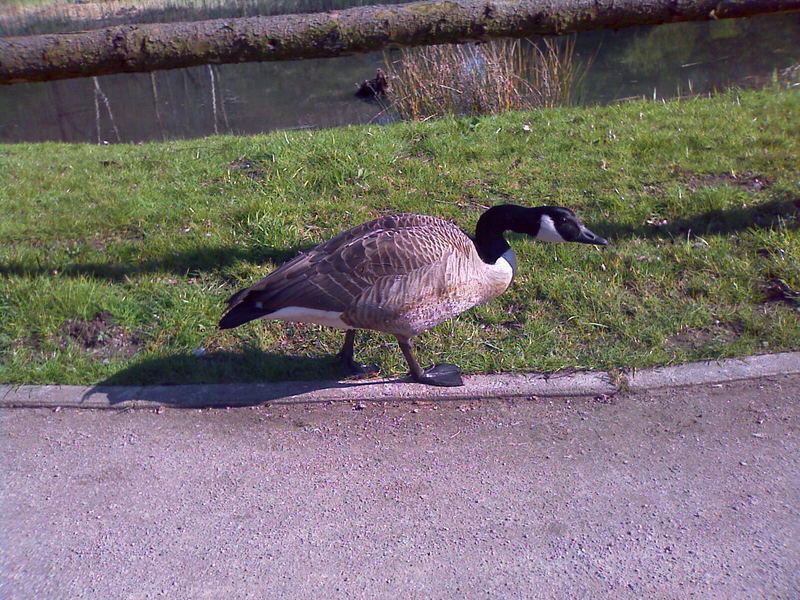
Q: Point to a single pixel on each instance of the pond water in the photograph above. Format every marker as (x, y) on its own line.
(661, 62)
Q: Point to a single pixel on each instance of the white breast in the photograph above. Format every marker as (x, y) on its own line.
(299, 314)
(502, 271)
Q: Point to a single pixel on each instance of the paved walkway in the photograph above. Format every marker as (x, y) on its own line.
(687, 492)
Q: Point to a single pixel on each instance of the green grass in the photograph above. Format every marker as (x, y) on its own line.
(154, 237)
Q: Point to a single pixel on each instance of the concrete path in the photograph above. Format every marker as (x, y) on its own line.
(674, 493)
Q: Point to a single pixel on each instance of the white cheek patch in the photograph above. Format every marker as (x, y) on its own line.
(299, 314)
(548, 231)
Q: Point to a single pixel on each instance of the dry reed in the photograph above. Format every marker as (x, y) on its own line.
(473, 79)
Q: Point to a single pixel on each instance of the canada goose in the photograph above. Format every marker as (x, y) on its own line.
(402, 274)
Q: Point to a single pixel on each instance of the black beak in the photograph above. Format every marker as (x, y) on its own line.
(587, 237)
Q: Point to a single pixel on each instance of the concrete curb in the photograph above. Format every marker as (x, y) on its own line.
(510, 385)
(721, 371)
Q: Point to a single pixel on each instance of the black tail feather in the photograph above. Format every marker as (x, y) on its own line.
(239, 315)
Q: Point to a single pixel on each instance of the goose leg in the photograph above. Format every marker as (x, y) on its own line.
(445, 374)
(345, 355)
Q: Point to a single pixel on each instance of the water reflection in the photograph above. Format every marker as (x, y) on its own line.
(249, 98)
(187, 103)
(685, 58)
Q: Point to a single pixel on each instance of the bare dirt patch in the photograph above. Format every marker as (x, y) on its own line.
(131, 233)
(750, 181)
(696, 338)
(99, 336)
(776, 289)
(252, 168)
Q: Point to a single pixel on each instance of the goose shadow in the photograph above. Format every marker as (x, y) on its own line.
(721, 221)
(195, 260)
(223, 379)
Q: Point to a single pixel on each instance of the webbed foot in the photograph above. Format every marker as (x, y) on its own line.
(444, 375)
(359, 370)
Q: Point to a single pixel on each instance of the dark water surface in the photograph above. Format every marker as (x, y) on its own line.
(662, 62)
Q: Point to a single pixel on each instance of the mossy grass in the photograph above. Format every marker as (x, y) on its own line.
(115, 261)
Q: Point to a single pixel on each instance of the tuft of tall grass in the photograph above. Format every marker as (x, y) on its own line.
(28, 17)
(478, 79)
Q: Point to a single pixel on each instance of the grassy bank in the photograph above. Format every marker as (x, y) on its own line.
(116, 260)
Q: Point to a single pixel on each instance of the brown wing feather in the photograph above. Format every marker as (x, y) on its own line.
(335, 274)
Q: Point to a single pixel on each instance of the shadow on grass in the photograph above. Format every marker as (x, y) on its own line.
(196, 260)
(762, 216)
(222, 379)
(208, 259)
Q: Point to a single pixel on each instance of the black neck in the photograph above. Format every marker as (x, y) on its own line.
(489, 240)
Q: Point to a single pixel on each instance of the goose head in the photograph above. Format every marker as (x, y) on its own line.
(559, 224)
(544, 223)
